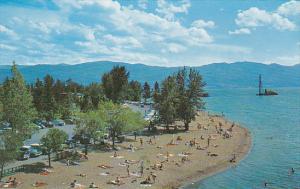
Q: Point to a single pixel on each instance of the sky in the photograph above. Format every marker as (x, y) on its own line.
(152, 32)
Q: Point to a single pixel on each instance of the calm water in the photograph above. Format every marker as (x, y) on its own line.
(274, 123)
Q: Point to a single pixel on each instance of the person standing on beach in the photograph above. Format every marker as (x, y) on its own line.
(142, 168)
(141, 141)
(208, 141)
(127, 169)
(135, 133)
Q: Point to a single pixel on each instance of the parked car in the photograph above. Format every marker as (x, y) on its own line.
(35, 150)
(58, 122)
(48, 124)
(39, 124)
(23, 153)
(69, 121)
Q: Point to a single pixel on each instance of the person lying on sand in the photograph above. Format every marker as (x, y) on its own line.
(83, 156)
(105, 166)
(39, 184)
(116, 182)
(131, 147)
(11, 183)
(10, 179)
(184, 159)
(70, 162)
(73, 184)
(200, 148)
(93, 185)
(81, 175)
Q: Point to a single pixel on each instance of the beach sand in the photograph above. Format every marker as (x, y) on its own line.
(173, 174)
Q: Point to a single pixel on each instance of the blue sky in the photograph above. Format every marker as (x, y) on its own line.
(162, 32)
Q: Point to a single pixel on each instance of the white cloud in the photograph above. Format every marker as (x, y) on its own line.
(104, 30)
(240, 31)
(143, 4)
(125, 42)
(286, 60)
(174, 48)
(203, 24)
(168, 9)
(7, 47)
(7, 31)
(289, 8)
(255, 17)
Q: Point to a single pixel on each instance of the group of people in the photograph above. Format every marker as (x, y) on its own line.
(12, 182)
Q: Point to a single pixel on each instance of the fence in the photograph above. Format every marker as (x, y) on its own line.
(13, 170)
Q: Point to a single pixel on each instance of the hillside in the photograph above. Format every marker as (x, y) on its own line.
(240, 74)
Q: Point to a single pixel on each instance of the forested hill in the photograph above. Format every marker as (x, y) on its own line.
(239, 74)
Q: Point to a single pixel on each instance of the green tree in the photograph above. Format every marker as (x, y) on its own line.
(134, 91)
(90, 126)
(146, 91)
(53, 141)
(9, 144)
(37, 93)
(86, 104)
(119, 119)
(49, 103)
(190, 90)
(17, 101)
(114, 84)
(168, 101)
(16, 109)
(156, 94)
(95, 91)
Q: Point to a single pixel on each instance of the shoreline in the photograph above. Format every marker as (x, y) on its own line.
(175, 173)
(222, 166)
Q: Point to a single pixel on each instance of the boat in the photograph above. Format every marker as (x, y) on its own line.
(264, 92)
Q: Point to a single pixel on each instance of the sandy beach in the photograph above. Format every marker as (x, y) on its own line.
(181, 162)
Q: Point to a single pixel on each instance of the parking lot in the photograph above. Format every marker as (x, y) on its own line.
(69, 129)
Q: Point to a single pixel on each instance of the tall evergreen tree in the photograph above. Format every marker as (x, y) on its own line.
(134, 91)
(114, 83)
(95, 91)
(37, 93)
(189, 90)
(156, 93)
(167, 107)
(18, 108)
(146, 91)
(49, 105)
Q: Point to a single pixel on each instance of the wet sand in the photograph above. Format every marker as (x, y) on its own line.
(175, 173)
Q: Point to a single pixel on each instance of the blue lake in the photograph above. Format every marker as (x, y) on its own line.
(274, 123)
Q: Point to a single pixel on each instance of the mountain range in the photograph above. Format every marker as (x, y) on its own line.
(216, 75)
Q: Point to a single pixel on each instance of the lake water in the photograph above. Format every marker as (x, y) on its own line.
(274, 123)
